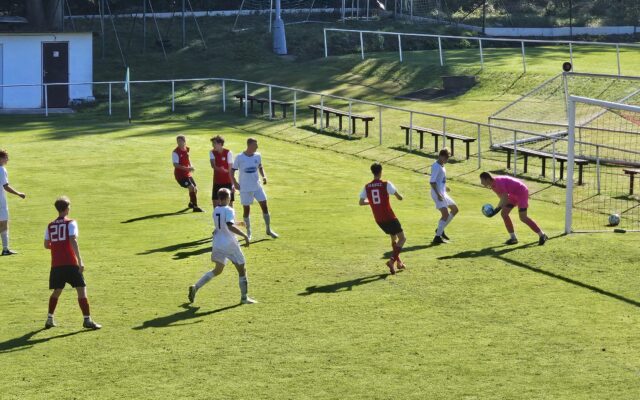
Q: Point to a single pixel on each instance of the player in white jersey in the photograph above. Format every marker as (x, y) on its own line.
(225, 247)
(4, 207)
(249, 163)
(439, 189)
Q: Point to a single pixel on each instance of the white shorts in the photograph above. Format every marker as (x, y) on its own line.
(246, 198)
(445, 203)
(233, 254)
(4, 212)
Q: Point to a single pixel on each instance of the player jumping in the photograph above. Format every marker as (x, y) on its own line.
(4, 207)
(249, 163)
(183, 169)
(222, 163)
(225, 246)
(444, 203)
(61, 237)
(512, 192)
(376, 194)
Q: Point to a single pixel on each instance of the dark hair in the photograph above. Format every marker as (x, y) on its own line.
(251, 140)
(62, 203)
(3, 153)
(224, 194)
(486, 175)
(217, 139)
(444, 153)
(376, 168)
(183, 137)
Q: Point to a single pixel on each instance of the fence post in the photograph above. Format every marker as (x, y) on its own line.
(321, 111)
(598, 167)
(444, 132)
(400, 46)
(515, 153)
(270, 104)
(524, 61)
(481, 54)
(46, 101)
(224, 96)
(380, 122)
(553, 152)
(173, 96)
(129, 99)
(440, 51)
(109, 98)
(411, 131)
(350, 120)
(361, 46)
(479, 148)
(571, 54)
(295, 106)
(618, 57)
(246, 100)
(326, 49)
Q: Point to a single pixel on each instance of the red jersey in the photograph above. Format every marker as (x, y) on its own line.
(181, 157)
(57, 234)
(378, 194)
(222, 160)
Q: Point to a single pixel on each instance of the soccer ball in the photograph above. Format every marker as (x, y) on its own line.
(487, 210)
(614, 219)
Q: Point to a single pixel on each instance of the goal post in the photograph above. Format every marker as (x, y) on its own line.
(603, 147)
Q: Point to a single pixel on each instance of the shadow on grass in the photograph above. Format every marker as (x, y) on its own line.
(331, 132)
(343, 286)
(27, 341)
(154, 216)
(410, 249)
(499, 252)
(181, 255)
(425, 154)
(189, 312)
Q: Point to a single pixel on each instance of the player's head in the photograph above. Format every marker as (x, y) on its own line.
(224, 195)
(376, 169)
(62, 204)
(444, 155)
(252, 145)
(4, 157)
(181, 140)
(486, 179)
(217, 142)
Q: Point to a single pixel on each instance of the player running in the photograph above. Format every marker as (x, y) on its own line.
(61, 237)
(225, 247)
(4, 207)
(439, 194)
(249, 163)
(512, 192)
(183, 169)
(376, 194)
(222, 163)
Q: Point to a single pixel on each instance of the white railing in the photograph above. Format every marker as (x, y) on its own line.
(480, 40)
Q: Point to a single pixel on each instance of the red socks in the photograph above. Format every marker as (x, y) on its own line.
(84, 306)
(53, 302)
(193, 198)
(396, 253)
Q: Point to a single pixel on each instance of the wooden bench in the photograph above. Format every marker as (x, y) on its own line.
(544, 156)
(632, 174)
(328, 111)
(436, 134)
(264, 100)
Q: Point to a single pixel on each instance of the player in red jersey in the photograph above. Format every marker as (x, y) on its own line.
(222, 162)
(61, 237)
(376, 194)
(183, 169)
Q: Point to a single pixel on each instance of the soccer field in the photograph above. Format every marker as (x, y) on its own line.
(470, 319)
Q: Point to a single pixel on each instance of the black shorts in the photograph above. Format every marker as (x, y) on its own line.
(392, 227)
(59, 276)
(513, 205)
(186, 182)
(217, 186)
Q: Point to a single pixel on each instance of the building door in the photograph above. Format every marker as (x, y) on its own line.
(55, 69)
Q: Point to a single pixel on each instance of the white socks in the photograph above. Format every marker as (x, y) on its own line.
(244, 286)
(247, 224)
(267, 221)
(205, 278)
(443, 224)
(5, 239)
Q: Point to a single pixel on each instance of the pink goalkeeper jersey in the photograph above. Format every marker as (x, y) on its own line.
(509, 185)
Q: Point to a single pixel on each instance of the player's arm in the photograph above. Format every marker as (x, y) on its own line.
(264, 177)
(232, 172)
(434, 186)
(237, 231)
(76, 249)
(176, 163)
(47, 244)
(11, 190)
(398, 196)
(504, 198)
(364, 200)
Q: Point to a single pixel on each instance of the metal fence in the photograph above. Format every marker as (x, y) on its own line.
(481, 42)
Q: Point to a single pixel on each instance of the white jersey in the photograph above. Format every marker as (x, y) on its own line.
(248, 168)
(439, 177)
(4, 180)
(223, 238)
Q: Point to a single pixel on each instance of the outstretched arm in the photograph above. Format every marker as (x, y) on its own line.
(11, 190)
(238, 232)
(504, 198)
(398, 196)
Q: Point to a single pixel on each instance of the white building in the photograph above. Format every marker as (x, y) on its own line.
(41, 58)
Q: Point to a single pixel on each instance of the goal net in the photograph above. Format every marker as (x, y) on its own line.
(603, 174)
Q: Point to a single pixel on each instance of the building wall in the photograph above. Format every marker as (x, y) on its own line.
(22, 64)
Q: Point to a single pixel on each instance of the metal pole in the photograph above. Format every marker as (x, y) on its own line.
(571, 55)
(321, 111)
(411, 131)
(618, 57)
(129, 99)
(400, 46)
(598, 167)
(46, 101)
(101, 11)
(515, 153)
(444, 132)
(524, 61)
(326, 50)
(295, 106)
(350, 120)
(440, 51)
(361, 46)
(144, 26)
(224, 96)
(481, 54)
(270, 14)
(109, 99)
(173, 96)
(270, 104)
(184, 25)
(380, 122)
(553, 152)
(479, 149)
(368, 10)
(246, 100)
(570, 161)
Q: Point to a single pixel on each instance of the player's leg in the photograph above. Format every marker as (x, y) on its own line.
(508, 223)
(193, 195)
(522, 212)
(400, 241)
(453, 211)
(238, 260)
(53, 302)
(4, 234)
(83, 302)
(444, 216)
(261, 197)
(219, 261)
(214, 196)
(246, 199)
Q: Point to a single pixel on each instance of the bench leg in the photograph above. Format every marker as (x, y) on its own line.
(366, 128)
(241, 101)
(436, 140)
(284, 111)
(251, 104)
(451, 141)
(406, 136)
(631, 176)
(340, 123)
(508, 160)
(467, 150)
(544, 167)
(261, 108)
(421, 140)
(273, 111)
(580, 174)
(327, 117)
(353, 125)
(561, 170)
(315, 116)
(526, 159)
